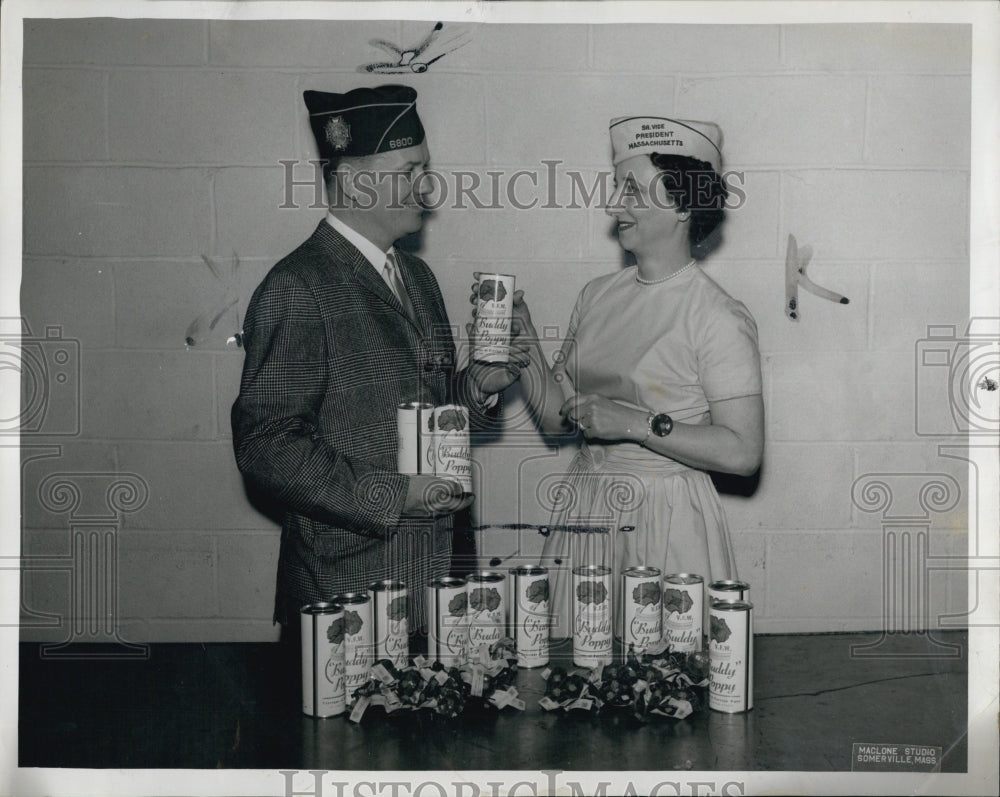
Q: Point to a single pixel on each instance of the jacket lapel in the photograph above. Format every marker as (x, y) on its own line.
(366, 275)
(423, 305)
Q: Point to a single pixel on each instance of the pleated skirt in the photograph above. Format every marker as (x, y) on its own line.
(623, 506)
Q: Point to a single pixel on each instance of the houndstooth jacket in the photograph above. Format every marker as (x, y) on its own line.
(330, 353)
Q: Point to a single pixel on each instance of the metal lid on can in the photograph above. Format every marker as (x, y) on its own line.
(352, 598)
(485, 275)
(683, 578)
(529, 570)
(728, 585)
(722, 605)
(414, 405)
(641, 570)
(447, 581)
(591, 570)
(387, 585)
(322, 607)
(486, 576)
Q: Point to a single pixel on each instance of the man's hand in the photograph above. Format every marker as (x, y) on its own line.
(490, 378)
(430, 496)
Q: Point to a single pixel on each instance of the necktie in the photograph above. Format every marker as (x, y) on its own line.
(391, 272)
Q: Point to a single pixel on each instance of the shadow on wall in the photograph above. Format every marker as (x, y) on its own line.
(266, 504)
(731, 484)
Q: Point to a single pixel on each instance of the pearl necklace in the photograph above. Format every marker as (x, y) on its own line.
(641, 281)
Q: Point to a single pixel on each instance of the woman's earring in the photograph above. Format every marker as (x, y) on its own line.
(683, 215)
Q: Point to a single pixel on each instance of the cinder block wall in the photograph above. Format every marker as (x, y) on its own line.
(150, 145)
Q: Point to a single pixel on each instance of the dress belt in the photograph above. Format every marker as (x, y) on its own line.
(629, 457)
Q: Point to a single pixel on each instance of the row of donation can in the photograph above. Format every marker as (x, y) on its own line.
(655, 610)
(343, 638)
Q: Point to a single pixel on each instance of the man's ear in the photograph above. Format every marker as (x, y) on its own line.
(341, 183)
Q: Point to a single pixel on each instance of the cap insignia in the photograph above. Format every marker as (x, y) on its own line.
(338, 133)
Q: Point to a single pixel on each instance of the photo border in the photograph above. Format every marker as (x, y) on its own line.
(984, 301)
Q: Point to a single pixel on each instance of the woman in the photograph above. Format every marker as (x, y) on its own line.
(660, 372)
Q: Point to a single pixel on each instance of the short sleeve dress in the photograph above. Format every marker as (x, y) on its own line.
(668, 347)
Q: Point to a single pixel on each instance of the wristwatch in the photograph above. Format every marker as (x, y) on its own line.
(659, 424)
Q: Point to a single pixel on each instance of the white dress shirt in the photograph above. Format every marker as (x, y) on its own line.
(372, 253)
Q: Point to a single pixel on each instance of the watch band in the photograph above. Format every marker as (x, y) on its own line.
(649, 428)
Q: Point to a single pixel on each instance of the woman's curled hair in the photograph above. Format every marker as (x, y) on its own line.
(696, 187)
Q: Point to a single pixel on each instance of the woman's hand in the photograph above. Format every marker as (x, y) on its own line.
(522, 317)
(601, 418)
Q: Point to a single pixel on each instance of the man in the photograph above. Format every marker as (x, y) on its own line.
(338, 334)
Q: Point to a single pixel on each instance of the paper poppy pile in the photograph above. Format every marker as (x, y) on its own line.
(446, 691)
(652, 685)
(661, 684)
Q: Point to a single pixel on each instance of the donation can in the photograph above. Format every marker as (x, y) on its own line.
(728, 589)
(592, 617)
(641, 609)
(494, 311)
(530, 614)
(487, 609)
(452, 450)
(730, 655)
(359, 643)
(390, 621)
(415, 438)
(448, 621)
(683, 611)
(322, 626)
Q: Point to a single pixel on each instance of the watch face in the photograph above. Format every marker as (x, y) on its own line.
(662, 424)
